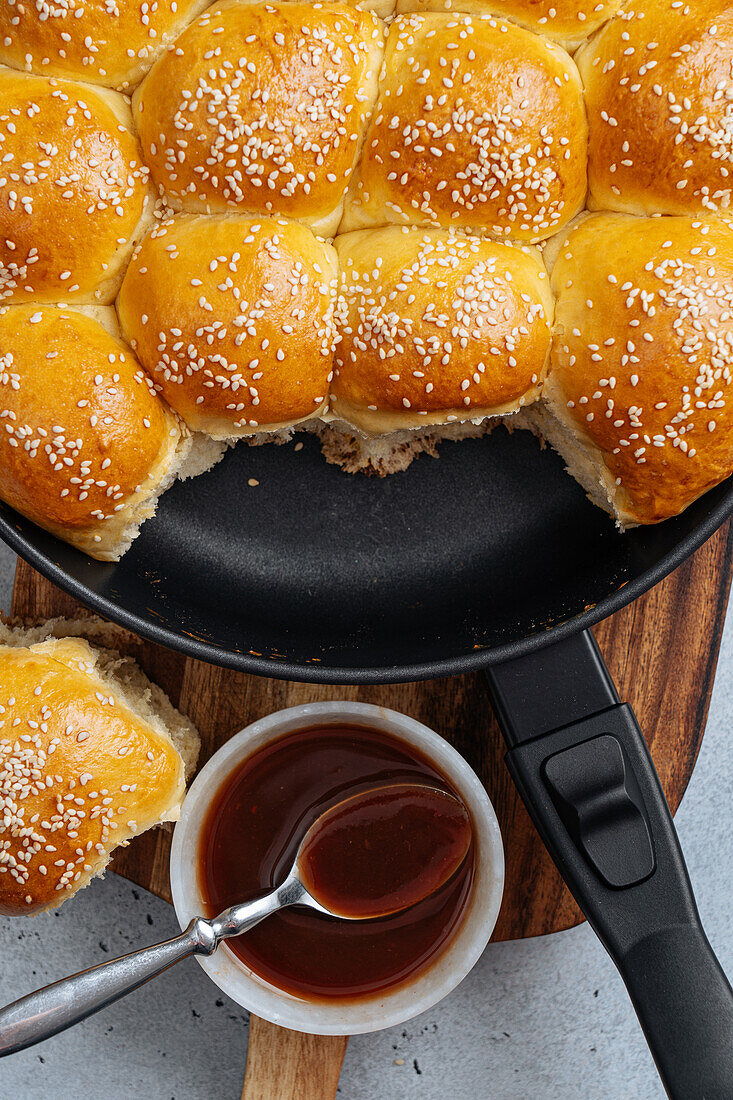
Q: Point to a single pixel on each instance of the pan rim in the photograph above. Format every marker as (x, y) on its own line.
(319, 673)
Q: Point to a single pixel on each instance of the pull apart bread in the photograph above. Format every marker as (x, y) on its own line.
(387, 224)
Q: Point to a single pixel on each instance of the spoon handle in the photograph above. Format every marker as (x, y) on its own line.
(52, 1009)
(44, 1013)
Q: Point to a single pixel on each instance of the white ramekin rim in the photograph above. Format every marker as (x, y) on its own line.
(394, 1006)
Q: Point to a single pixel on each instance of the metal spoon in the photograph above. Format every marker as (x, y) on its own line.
(52, 1009)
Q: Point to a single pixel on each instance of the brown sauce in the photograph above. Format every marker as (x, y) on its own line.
(249, 843)
(384, 850)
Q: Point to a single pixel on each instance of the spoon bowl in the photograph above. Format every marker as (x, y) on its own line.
(384, 850)
(368, 828)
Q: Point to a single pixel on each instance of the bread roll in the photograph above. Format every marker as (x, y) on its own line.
(638, 389)
(233, 318)
(91, 753)
(86, 445)
(437, 327)
(112, 42)
(479, 123)
(660, 108)
(262, 108)
(566, 21)
(74, 191)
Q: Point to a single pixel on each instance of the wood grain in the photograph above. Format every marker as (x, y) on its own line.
(662, 651)
(287, 1065)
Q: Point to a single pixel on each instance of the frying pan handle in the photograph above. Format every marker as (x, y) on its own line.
(585, 774)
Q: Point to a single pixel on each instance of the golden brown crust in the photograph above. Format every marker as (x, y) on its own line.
(233, 318)
(262, 108)
(73, 190)
(80, 773)
(101, 42)
(436, 327)
(479, 123)
(383, 8)
(566, 21)
(85, 443)
(657, 82)
(641, 357)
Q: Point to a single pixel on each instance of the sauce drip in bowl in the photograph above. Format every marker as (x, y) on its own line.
(385, 850)
(249, 842)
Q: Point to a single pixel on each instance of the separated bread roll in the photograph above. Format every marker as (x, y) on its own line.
(567, 21)
(638, 389)
(437, 327)
(233, 319)
(479, 123)
(112, 42)
(91, 753)
(262, 107)
(660, 108)
(86, 445)
(74, 191)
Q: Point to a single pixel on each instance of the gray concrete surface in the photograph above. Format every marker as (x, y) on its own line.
(536, 1020)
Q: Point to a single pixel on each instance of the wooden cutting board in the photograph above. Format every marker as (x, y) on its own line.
(662, 651)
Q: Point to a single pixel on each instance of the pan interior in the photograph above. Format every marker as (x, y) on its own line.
(486, 546)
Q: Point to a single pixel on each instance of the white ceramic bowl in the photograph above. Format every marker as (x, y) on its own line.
(393, 1006)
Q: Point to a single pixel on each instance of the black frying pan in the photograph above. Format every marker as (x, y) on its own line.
(489, 557)
(315, 575)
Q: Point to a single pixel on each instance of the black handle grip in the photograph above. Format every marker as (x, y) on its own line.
(595, 797)
(685, 1006)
